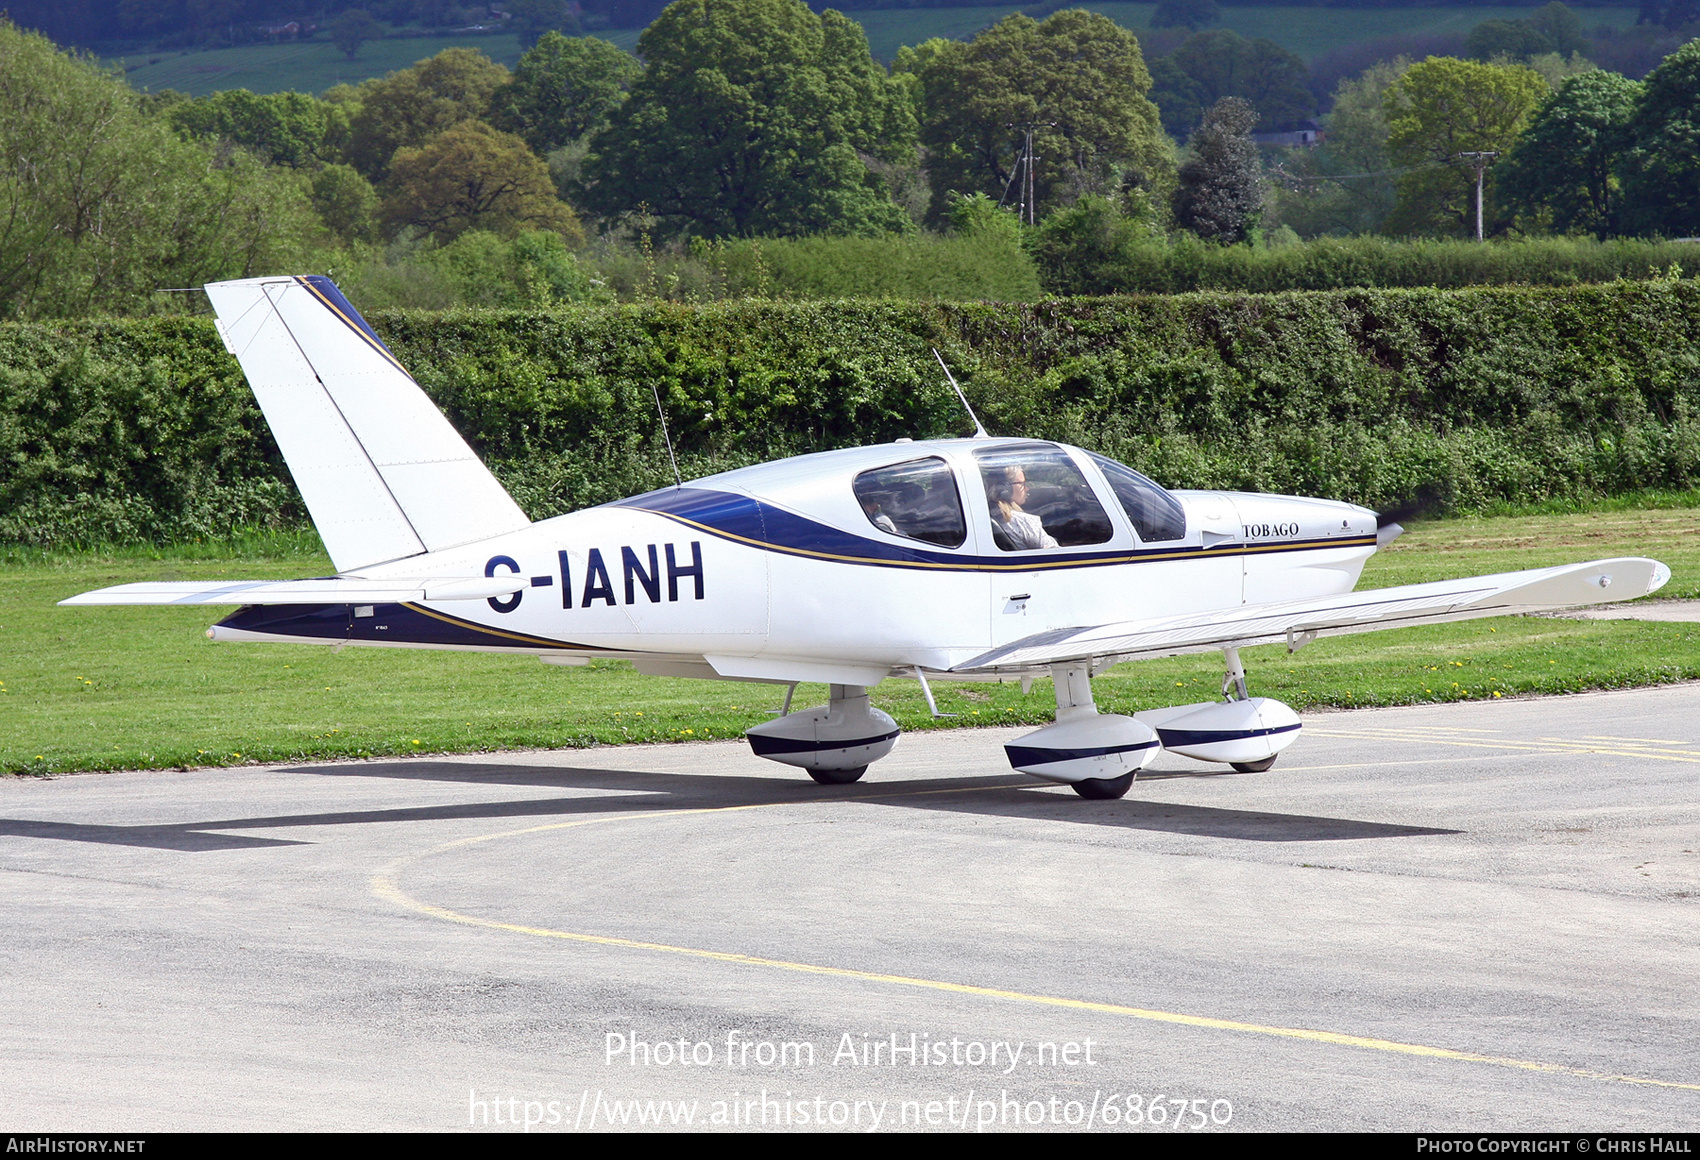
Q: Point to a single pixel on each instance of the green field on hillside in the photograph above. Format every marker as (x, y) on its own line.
(117, 688)
(316, 65)
(305, 66)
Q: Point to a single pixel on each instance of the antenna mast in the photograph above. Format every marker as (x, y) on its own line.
(979, 428)
(656, 391)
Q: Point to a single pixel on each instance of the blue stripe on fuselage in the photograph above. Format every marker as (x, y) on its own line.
(388, 624)
(744, 520)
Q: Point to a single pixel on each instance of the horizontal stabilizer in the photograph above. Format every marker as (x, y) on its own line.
(382, 472)
(1298, 621)
(333, 590)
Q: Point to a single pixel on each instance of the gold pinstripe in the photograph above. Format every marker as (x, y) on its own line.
(540, 641)
(1024, 566)
(352, 325)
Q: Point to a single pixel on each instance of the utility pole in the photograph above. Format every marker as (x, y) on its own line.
(1025, 210)
(1479, 161)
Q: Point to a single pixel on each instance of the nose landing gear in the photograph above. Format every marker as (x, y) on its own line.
(1100, 754)
(1242, 731)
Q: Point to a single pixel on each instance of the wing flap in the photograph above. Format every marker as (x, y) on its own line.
(1502, 594)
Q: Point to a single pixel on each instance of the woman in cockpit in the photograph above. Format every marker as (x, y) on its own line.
(1006, 488)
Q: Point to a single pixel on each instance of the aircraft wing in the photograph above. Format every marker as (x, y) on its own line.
(331, 590)
(1299, 621)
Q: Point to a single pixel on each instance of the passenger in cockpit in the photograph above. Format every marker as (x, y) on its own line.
(872, 505)
(1006, 488)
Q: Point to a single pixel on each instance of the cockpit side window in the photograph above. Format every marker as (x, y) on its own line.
(917, 499)
(1038, 499)
(1155, 514)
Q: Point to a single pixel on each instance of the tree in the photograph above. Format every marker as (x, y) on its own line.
(1553, 28)
(281, 128)
(1440, 109)
(532, 19)
(749, 120)
(1556, 69)
(1354, 149)
(346, 203)
(100, 204)
(1077, 79)
(1661, 187)
(1193, 14)
(1221, 183)
(474, 177)
(530, 269)
(1561, 26)
(1083, 248)
(406, 108)
(1567, 160)
(1513, 39)
(563, 89)
(1673, 14)
(1222, 63)
(353, 29)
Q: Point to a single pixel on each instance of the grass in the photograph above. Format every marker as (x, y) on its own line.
(315, 65)
(306, 66)
(126, 688)
(1311, 31)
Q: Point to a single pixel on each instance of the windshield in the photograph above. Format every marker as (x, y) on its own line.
(1039, 499)
(1155, 514)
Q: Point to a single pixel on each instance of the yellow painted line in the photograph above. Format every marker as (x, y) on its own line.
(1635, 740)
(1551, 747)
(1643, 748)
(385, 886)
(1379, 763)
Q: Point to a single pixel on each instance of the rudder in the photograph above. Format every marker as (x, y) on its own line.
(383, 473)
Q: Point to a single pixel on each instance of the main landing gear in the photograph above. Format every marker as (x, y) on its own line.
(835, 742)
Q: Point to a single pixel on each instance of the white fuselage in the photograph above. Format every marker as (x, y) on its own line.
(776, 572)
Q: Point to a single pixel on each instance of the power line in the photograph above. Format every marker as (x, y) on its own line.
(1283, 175)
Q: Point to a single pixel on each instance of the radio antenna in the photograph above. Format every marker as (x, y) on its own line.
(671, 458)
(979, 428)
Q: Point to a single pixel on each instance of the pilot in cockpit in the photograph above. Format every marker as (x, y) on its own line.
(1006, 489)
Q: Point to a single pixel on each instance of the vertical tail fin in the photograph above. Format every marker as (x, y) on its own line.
(383, 473)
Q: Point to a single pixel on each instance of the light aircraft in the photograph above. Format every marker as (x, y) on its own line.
(967, 559)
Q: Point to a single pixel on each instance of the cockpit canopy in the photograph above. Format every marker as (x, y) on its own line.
(1037, 497)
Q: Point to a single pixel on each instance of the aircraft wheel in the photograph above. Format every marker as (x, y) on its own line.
(1103, 789)
(838, 776)
(1253, 766)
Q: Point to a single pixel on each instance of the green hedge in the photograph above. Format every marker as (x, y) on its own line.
(1086, 251)
(143, 430)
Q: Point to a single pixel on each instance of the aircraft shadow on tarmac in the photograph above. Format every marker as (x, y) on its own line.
(636, 791)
